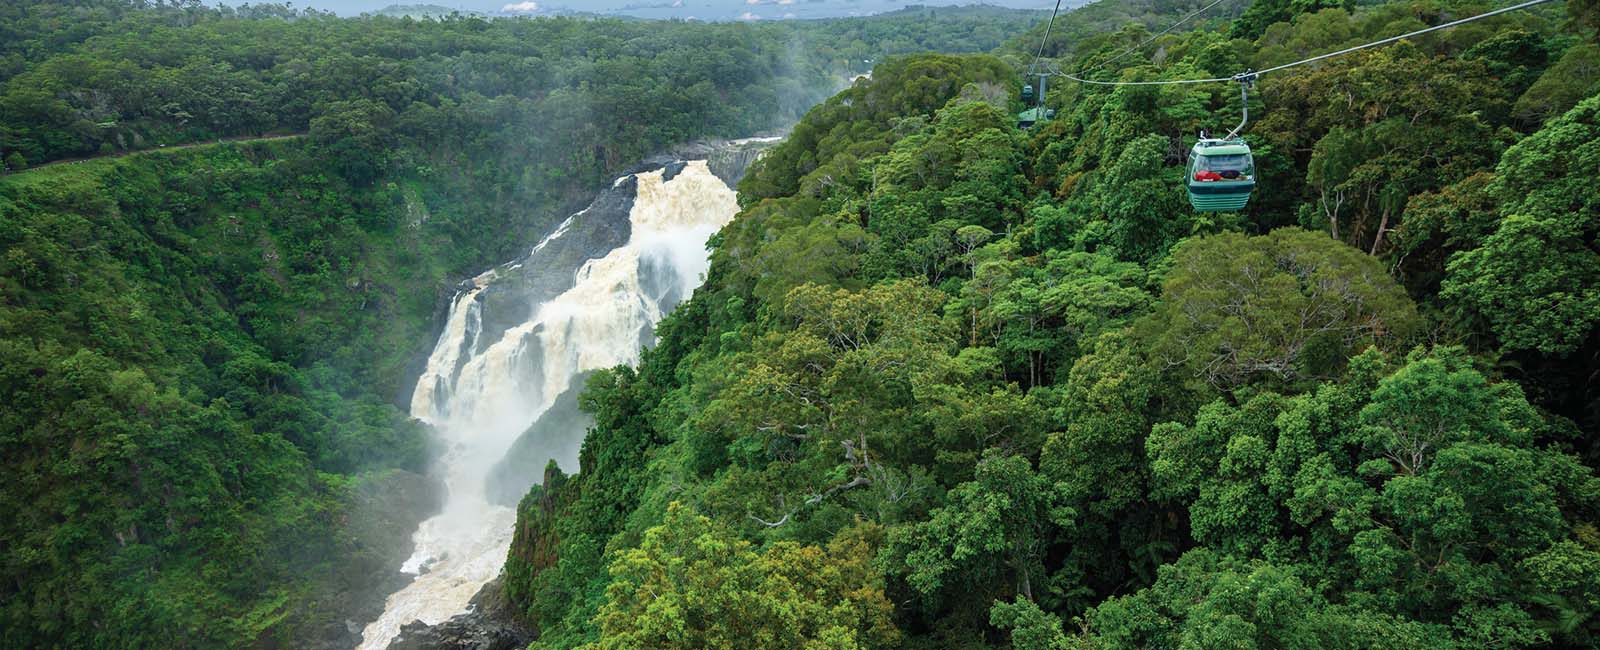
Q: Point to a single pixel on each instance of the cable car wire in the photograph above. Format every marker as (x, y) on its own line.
(1241, 76)
(1048, 26)
(1392, 39)
(1143, 83)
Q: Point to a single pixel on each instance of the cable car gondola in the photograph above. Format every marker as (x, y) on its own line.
(1222, 175)
(1221, 171)
(1038, 113)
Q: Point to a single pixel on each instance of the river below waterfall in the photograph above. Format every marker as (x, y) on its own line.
(520, 336)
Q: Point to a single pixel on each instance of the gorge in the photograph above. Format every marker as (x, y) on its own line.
(521, 335)
(431, 333)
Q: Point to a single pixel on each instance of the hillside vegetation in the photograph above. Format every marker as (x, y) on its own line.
(954, 385)
(205, 352)
(198, 379)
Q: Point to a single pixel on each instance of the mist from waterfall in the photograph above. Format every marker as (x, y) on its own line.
(481, 395)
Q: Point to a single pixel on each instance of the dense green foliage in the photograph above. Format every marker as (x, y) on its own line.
(692, 585)
(1115, 26)
(572, 94)
(1068, 412)
(202, 349)
(196, 375)
(948, 384)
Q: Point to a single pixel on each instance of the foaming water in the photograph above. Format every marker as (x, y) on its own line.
(481, 397)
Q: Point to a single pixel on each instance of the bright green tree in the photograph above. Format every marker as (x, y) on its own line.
(995, 525)
(1031, 628)
(1207, 600)
(1286, 305)
(1536, 279)
(1418, 490)
(692, 584)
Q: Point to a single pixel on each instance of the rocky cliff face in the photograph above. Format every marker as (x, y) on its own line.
(533, 547)
(729, 162)
(728, 159)
(488, 625)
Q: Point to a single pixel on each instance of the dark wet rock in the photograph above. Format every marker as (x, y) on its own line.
(488, 624)
(672, 169)
(535, 278)
(730, 162)
(727, 159)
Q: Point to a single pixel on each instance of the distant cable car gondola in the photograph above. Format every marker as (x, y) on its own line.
(1036, 112)
(1033, 102)
(1035, 115)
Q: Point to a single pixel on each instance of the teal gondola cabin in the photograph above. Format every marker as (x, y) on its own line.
(1028, 118)
(1221, 175)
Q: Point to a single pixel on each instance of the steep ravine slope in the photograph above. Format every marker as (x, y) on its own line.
(198, 380)
(501, 383)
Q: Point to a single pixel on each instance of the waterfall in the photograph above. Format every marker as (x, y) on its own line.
(481, 390)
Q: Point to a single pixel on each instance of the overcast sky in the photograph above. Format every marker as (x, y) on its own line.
(695, 9)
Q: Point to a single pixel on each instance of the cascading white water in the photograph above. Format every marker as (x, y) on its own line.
(481, 397)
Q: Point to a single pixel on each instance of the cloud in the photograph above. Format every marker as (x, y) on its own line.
(526, 5)
(748, 16)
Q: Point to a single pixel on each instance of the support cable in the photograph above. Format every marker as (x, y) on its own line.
(1239, 77)
(1048, 26)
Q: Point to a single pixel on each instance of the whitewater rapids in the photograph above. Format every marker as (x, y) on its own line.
(480, 395)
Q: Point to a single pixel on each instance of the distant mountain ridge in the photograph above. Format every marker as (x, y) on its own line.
(423, 11)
